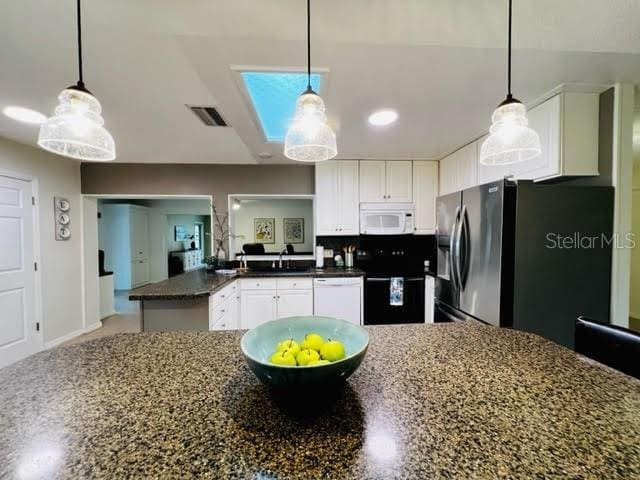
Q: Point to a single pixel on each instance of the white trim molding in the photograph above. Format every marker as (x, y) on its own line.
(622, 178)
(71, 335)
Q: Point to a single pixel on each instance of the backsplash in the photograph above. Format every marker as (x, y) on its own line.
(418, 247)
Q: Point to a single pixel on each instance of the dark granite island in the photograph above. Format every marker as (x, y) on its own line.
(454, 401)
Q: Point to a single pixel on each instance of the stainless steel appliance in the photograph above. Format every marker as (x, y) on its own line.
(514, 255)
(386, 218)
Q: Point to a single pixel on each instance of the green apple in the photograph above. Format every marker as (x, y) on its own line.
(312, 341)
(289, 344)
(332, 350)
(317, 363)
(307, 356)
(283, 358)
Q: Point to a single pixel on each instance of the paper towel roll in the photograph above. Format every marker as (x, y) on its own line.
(319, 256)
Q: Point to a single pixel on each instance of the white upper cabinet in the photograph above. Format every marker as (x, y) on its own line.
(326, 194)
(347, 198)
(373, 184)
(399, 181)
(568, 127)
(337, 196)
(386, 181)
(425, 191)
(459, 170)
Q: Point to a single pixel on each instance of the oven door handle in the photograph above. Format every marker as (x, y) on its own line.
(377, 280)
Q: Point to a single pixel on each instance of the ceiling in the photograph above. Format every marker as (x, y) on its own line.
(440, 63)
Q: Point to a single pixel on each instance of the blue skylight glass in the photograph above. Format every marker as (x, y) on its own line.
(274, 96)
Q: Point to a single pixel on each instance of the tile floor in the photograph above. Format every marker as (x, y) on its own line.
(126, 320)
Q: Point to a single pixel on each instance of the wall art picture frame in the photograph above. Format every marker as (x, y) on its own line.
(264, 230)
(293, 230)
(181, 233)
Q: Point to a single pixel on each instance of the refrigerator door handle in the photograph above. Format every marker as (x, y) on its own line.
(452, 248)
(461, 253)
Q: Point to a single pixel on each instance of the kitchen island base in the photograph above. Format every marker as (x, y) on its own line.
(170, 315)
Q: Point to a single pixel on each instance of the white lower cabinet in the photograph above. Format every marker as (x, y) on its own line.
(249, 302)
(292, 303)
(266, 299)
(224, 309)
(256, 307)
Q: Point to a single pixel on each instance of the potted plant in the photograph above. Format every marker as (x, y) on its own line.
(212, 262)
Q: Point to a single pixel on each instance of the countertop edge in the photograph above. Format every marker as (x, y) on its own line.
(201, 293)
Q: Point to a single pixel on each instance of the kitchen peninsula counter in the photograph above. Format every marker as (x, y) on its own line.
(454, 401)
(199, 283)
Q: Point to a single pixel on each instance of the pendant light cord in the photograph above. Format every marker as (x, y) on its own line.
(308, 45)
(81, 79)
(509, 96)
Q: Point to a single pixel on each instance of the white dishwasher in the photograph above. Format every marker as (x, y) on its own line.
(339, 297)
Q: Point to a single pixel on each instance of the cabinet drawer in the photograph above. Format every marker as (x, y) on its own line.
(227, 292)
(295, 283)
(258, 284)
(218, 312)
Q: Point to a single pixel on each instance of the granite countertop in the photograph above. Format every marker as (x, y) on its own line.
(199, 283)
(444, 401)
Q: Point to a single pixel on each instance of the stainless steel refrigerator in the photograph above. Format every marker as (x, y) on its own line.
(523, 255)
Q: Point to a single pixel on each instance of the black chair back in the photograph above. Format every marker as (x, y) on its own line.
(614, 346)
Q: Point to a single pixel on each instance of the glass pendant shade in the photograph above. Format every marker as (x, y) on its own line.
(76, 129)
(510, 140)
(309, 138)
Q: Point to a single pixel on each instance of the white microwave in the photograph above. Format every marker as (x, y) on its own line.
(386, 218)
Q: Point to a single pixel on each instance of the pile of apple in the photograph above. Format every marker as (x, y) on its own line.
(312, 351)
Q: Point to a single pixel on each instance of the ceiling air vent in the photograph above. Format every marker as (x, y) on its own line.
(208, 115)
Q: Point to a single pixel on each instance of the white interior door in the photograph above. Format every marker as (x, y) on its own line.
(139, 247)
(18, 334)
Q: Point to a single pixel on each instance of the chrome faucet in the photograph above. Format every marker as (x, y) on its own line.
(284, 250)
(243, 261)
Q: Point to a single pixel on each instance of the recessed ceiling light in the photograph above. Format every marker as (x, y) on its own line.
(25, 115)
(384, 117)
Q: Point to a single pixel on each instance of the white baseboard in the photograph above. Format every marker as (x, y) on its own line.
(71, 335)
(91, 328)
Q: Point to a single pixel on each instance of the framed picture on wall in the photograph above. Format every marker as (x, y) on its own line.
(293, 230)
(264, 230)
(181, 233)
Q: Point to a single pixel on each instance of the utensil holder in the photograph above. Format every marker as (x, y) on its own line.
(348, 260)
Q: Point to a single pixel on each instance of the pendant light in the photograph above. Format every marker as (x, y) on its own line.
(76, 128)
(510, 140)
(309, 138)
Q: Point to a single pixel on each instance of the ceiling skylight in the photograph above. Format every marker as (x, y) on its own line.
(274, 96)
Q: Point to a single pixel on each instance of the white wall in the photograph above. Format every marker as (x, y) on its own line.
(188, 221)
(60, 262)
(242, 222)
(90, 253)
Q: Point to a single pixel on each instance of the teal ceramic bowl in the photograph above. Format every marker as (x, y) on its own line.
(259, 344)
